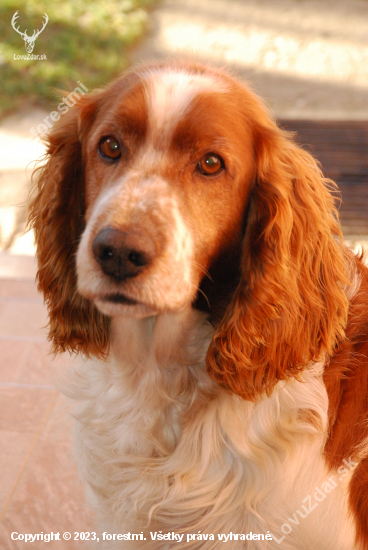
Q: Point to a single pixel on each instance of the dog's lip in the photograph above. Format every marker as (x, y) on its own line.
(117, 303)
(120, 298)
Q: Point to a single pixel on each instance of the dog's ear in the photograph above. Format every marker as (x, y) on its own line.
(56, 213)
(290, 306)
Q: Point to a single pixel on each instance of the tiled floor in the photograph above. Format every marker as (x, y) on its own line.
(39, 486)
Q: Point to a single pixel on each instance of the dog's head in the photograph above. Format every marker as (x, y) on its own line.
(174, 186)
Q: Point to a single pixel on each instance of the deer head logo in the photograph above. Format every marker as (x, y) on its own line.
(29, 41)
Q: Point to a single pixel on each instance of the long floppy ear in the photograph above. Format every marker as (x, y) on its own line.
(290, 306)
(56, 213)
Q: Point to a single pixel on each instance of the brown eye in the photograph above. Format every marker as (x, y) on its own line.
(210, 164)
(109, 148)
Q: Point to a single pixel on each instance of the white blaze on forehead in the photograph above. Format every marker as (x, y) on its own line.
(169, 96)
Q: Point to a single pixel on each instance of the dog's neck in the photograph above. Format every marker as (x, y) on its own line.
(164, 336)
(168, 346)
(161, 362)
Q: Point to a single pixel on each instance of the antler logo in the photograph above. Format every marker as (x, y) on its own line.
(29, 41)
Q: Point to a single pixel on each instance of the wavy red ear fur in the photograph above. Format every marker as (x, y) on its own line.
(290, 306)
(56, 213)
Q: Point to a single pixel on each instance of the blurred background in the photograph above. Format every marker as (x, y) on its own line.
(308, 59)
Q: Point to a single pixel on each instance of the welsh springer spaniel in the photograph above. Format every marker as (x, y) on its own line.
(191, 250)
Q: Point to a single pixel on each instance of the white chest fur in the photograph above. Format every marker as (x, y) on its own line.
(164, 448)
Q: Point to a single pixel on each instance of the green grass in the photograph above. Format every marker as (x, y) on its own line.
(84, 40)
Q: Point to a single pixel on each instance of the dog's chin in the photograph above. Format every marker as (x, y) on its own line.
(119, 305)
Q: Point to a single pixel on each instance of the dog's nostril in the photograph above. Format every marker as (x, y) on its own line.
(136, 258)
(106, 253)
(122, 254)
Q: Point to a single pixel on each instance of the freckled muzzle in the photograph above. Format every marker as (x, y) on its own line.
(136, 249)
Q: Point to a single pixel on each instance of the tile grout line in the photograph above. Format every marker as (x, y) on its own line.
(8, 299)
(22, 385)
(34, 339)
(23, 467)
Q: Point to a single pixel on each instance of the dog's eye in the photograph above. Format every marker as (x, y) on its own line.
(110, 148)
(210, 164)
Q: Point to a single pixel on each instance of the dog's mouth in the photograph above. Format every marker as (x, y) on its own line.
(119, 298)
(118, 304)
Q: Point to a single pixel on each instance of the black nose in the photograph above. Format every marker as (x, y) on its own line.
(123, 254)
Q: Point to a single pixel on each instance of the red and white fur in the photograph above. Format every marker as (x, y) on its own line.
(191, 250)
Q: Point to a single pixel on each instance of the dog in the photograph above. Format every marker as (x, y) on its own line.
(192, 251)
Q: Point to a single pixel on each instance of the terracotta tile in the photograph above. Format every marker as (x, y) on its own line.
(12, 359)
(40, 367)
(49, 496)
(5, 541)
(14, 448)
(24, 409)
(10, 288)
(17, 266)
(23, 318)
(36, 367)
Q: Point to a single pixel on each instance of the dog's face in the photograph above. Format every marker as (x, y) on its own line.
(169, 165)
(173, 186)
